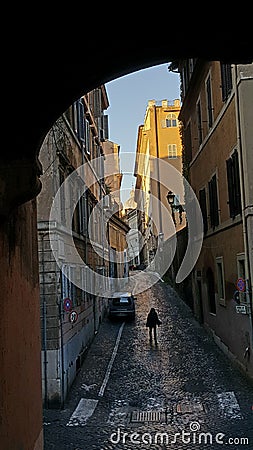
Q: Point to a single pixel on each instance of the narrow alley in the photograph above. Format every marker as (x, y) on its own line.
(182, 394)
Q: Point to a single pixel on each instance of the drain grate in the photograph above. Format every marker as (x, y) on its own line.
(147, 416)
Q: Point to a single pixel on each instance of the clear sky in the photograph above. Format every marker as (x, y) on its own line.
(128, 98)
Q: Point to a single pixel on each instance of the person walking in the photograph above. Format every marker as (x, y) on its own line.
(151, 323)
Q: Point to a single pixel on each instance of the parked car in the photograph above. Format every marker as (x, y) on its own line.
(122, 305)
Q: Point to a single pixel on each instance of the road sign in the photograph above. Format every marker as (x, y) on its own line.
(73, 316)
(67, 304)
(241, 309)
(240, 284)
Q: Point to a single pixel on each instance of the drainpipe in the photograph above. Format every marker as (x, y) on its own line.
(44, 321)
(160, 235)
(158, 174)
(244, 219)
(61, 315)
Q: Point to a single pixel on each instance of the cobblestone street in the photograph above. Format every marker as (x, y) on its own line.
(130, 394)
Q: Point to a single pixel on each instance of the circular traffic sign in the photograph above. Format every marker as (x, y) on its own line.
(67, 304)
(240, 284)
(73, 316)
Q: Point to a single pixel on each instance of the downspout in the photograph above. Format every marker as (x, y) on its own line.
(61, 315)
(44, 320)
(158, 173)
(161, 235)
(244, 219)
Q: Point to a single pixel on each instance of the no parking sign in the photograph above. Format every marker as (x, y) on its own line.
(67, 304)
(240, 284)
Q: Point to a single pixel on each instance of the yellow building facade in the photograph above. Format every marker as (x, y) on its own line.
(158, 145)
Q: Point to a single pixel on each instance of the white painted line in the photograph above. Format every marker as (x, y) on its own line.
(109, 367)
(83, 411)
(229, 405)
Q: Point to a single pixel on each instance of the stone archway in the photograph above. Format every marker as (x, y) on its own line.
(42, 89)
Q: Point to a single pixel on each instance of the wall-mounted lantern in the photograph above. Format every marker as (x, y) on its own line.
(171, 200)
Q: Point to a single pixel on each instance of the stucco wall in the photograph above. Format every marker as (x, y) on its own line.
(20, 369)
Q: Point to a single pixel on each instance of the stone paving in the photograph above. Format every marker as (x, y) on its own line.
(160, 397)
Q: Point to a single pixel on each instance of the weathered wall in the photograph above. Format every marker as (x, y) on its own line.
(20, 369)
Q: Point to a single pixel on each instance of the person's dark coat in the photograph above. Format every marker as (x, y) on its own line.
(152, 319)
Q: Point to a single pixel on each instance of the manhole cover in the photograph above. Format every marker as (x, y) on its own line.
(147, 416)
(188, 407)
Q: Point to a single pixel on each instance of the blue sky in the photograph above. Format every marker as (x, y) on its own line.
(128, 98)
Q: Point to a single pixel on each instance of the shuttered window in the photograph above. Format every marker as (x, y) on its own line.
(80, 119)
(226, 80)
(199, 121)
(213, 202)
(233, 180)
(87, 136)
(202, 202)
(105, 126)
(209, 102)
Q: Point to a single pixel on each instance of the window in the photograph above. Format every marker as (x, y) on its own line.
(209, 102)
(105, 126)
(233, 179)
(220, 280)
(213, 202)
(171, 120)
(199, 122)
(87, 136)
(80, 119)
(202, 202)
(226, 80)
(172, 151)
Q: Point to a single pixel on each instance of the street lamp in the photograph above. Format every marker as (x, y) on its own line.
(171, 198)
